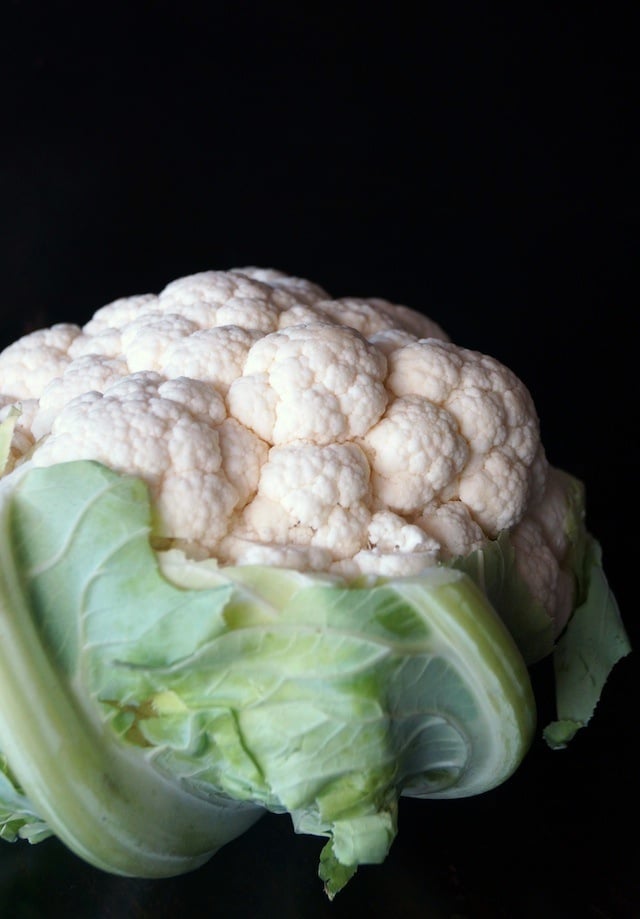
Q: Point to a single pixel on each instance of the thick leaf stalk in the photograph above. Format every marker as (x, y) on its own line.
(102, 798)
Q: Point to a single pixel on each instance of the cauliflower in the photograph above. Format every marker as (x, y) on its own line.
(263, 549)
(273, 423)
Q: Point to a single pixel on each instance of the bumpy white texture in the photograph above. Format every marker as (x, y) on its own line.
(275, 424)
(316, 381)
(311, 494)
(396, 548)
(453, 528)
(215, 355)
(541, 543)
(91, 372)
(31, 362)
(166, 431)
(370, 317)
(494, 414)
(417, 451)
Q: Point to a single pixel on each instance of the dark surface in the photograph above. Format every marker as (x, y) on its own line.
(476, 165)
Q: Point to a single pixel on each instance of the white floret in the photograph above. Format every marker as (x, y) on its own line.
(317, 381)
(539, 568)
(542, 541)
(288, 290)
(496, 490)
(237, 550)
(212, 298)
(102, 334)
(299, 314)
(429, 369)
(394, 548)
(243, 456)
(311, 495)
(163, 432)
(84, 374)
(416, 452)
(106, 343)
(216, 355)
(119, 313)
(390, 340)
(374, 315)
(390, 532)
(202, 401)
(495, 415)
(377, 563)
(453, 528)
(28, 364)
(146, 340)
(552, 510)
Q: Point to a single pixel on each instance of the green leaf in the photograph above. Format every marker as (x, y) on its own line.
(559, 733)
(333, 872)
(594, 641)
(104, 799)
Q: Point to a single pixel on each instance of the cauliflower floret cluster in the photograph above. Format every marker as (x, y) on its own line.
(276, 424)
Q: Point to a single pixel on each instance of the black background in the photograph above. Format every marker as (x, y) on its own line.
(474, 163)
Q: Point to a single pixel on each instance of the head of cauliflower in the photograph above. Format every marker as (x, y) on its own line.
(274, 424)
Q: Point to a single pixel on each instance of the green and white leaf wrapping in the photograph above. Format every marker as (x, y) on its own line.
(233, 690)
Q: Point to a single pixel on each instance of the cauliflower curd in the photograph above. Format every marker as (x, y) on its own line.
(276, 425)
